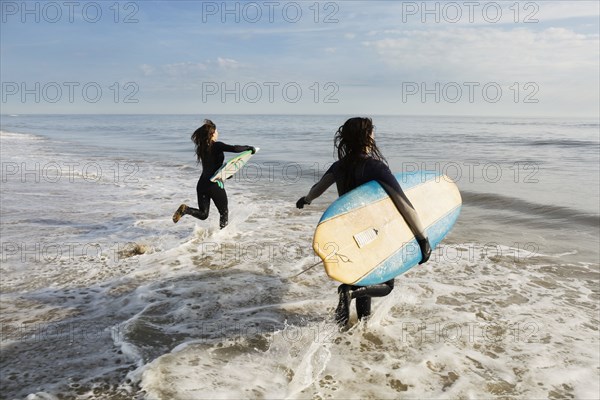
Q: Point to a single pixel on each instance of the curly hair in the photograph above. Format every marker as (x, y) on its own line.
(354, 142)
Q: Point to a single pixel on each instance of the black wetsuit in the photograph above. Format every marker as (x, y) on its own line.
(207, 190)
(367, 170)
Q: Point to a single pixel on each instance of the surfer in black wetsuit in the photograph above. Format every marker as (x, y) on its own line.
(360, 161)
(210, 152)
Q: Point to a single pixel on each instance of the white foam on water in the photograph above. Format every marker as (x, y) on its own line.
(447, 330)
(292, 362)
(482, 295)
(41, 396)
(207, 313)
(19, 137)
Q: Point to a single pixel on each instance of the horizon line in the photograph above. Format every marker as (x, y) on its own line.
(302, 114)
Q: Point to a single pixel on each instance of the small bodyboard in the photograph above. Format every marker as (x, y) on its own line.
(231, 167)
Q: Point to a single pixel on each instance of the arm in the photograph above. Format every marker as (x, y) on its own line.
(318, 189)
(220, 146)
(387, 180)
(389, 183)
(411, 217)
(406, 209)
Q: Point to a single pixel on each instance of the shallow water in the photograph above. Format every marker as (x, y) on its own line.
(507, 306)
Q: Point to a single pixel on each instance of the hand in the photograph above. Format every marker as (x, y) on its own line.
(301, 202)
(425, 249)
(253, 149)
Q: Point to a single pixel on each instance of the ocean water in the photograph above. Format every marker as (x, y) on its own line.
(102, 296)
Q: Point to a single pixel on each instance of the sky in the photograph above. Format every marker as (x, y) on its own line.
(513, 58)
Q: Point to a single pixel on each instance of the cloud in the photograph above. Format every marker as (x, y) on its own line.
(190, 75)
(551, 10)
(189, 69)
(228, 63)
(147, 70)
(184, 69)
(490, 53)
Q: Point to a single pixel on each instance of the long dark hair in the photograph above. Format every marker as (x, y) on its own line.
(354, 143)
(202, 138)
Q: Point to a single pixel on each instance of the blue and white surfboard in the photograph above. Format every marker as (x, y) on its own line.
(364, 240)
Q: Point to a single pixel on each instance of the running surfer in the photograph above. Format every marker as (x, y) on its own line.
(360, 161)
(210, 153)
